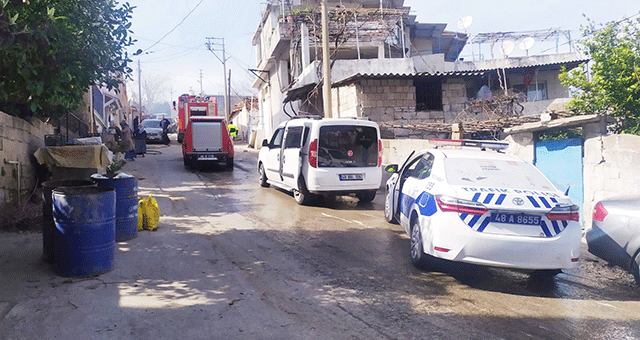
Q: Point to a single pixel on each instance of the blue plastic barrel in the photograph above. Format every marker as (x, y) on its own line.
(48, 226)
(126, 203)
(85, 219)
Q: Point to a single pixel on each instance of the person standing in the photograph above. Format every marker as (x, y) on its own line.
(233, 130)
(164, 124)
(126, 142)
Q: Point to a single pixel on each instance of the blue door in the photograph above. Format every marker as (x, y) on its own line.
(561, 162)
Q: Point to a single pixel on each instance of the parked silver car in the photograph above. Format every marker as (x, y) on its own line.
(615, 233)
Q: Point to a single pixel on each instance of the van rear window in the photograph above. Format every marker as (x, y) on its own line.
(347, 146)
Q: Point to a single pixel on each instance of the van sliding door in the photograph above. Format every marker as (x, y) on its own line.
(291, 156)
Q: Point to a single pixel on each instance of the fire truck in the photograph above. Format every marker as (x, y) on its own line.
(188, 106)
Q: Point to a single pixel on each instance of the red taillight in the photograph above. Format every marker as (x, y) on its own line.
(565, 217)
(449, 204)
(379, 153)
(313, 154)
(444, 250)
(599, 212)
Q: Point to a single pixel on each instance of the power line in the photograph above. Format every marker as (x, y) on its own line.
(173, 29)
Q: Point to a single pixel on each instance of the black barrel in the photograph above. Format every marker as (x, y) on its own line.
(48, 227)
(126, 204)
(85, 219)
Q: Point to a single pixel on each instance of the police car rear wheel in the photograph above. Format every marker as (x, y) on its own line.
(636, 268)
(418, 257)
(263, 177)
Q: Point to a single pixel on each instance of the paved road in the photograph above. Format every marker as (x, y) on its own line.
(232, 260)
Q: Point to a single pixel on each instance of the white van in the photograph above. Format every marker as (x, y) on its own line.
(329, 156)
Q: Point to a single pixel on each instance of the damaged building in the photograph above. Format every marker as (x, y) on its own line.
(386, 66)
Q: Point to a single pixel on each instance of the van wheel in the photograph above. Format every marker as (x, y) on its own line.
(366, 196)
(302, 195)
(229, 163)
(263, 177)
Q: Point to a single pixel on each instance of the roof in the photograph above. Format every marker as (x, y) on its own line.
(379, 75)
(559, 123)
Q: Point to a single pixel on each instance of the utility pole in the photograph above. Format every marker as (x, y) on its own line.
(228, 102)
(201, 93)
(139, 90)
(326, 70)
(211, 46)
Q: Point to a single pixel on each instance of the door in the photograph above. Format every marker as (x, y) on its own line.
(272, 163)
(290, 161)
(561, 162)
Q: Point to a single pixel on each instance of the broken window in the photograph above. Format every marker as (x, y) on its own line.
(428, 94)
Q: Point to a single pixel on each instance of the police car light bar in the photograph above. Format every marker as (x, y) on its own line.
(483, 144)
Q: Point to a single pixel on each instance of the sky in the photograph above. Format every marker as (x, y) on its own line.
(175, 54)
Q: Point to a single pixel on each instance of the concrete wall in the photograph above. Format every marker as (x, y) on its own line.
(610, 168)
(19, 139)
(345, 101)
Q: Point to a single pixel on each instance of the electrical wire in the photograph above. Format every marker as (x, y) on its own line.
(173, 29)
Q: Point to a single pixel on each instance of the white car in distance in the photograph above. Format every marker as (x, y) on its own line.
(465, 201)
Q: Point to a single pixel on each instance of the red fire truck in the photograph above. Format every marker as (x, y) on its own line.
(188, 106)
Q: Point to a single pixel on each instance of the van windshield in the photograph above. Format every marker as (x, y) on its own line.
(348, 146)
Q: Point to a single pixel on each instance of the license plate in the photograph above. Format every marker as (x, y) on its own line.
(351, 177)
(515, 218)
(208, 157)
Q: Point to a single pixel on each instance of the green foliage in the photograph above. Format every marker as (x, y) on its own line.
(613, 86)
(52, 51)
(561, 134)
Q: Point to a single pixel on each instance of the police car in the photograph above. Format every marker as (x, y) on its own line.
(465, 201)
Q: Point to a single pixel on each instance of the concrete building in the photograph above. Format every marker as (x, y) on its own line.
(388, 67)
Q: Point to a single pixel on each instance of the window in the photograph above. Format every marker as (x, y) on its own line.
(428, 94)
(347, 146)
(294, 135)
(535, 91)
(276, 140)
(422, 169)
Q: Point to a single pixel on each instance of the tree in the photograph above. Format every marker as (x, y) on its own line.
(612, 84)
(52, 51)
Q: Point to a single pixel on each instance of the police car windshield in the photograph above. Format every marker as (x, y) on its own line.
(495, 173)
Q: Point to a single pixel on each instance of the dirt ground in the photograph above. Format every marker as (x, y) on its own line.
(27, 217)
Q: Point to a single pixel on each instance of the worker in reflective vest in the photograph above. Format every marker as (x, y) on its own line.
(233, 130)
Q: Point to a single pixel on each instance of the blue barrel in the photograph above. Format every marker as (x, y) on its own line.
(85, 219)
(48, 226)
(126, 204)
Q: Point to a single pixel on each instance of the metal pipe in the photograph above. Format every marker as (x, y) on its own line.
(17, 164)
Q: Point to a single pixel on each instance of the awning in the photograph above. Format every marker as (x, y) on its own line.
(299, 93)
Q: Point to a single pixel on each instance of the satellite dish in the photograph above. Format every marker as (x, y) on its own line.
(507, 47)
(465, 22)
(527, 43)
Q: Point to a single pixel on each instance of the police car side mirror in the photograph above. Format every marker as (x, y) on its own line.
(393, 168)
(265, 142)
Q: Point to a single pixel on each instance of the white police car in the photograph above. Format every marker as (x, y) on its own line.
(482, 207)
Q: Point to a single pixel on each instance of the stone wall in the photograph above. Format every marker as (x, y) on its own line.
(345, 101)
(454, 97)
(388, 100)
(19, 139)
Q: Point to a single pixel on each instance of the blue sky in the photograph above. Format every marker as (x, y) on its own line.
(176, 61)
